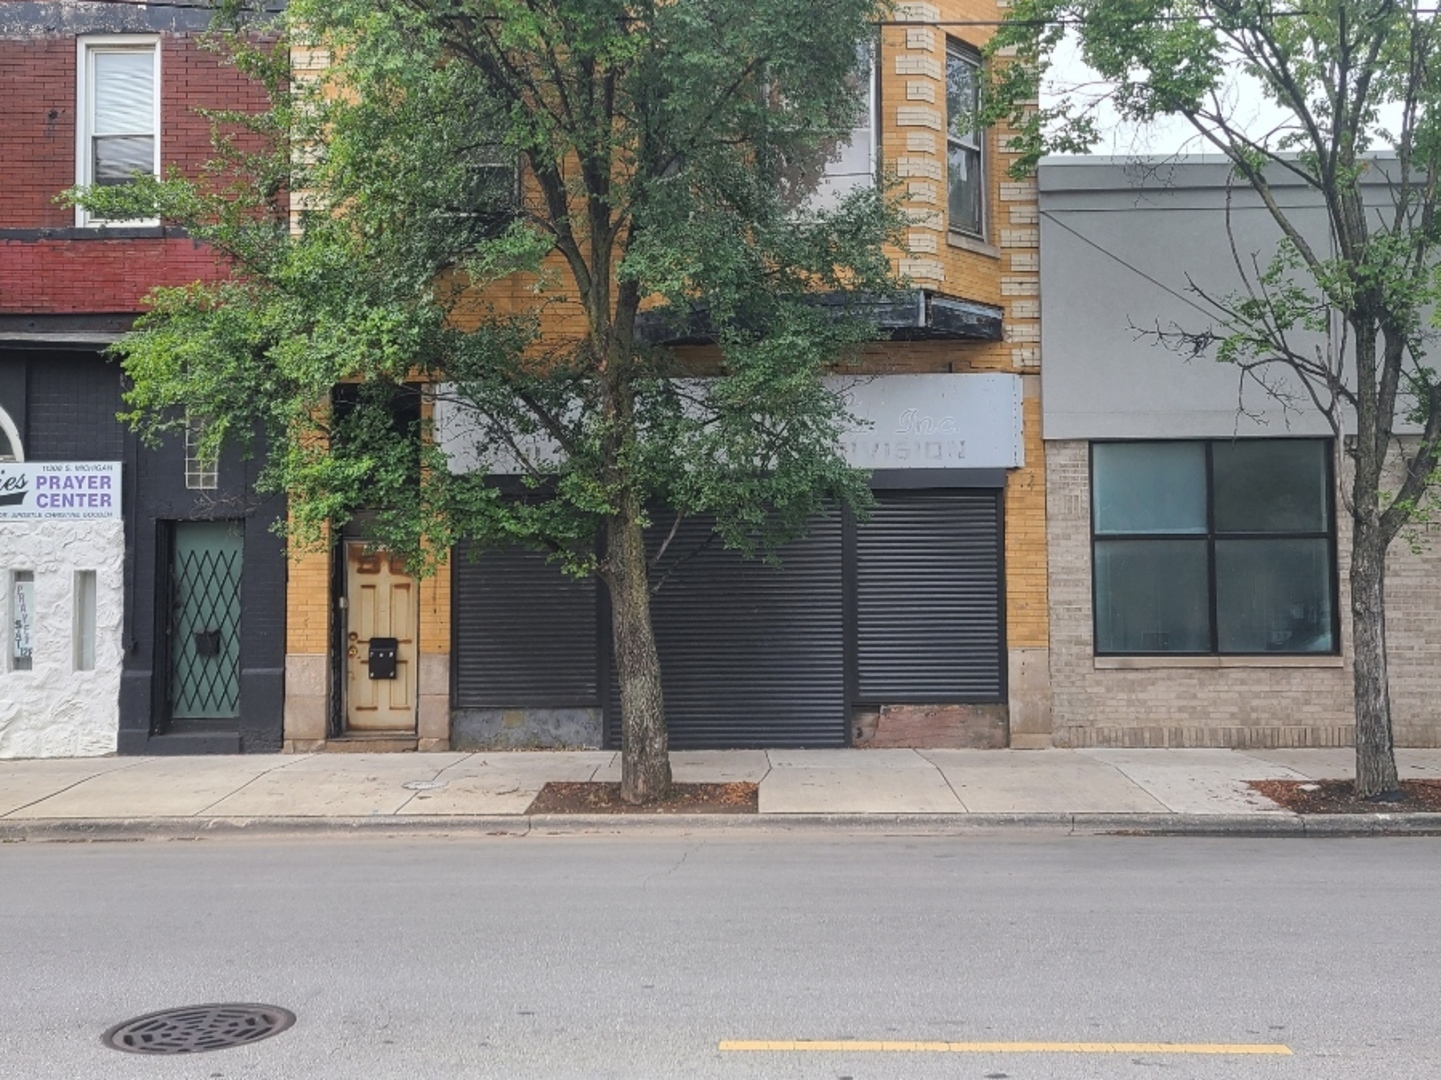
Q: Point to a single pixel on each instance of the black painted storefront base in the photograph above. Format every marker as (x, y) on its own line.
(64, 398)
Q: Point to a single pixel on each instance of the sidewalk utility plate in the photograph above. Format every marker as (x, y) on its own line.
(193, 1029)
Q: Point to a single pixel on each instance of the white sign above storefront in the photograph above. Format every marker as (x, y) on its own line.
(970, 421)
(59, 490)
(933, 421)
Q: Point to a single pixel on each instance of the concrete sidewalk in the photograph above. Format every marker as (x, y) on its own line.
(1098, 790)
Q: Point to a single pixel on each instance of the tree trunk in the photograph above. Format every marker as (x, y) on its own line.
(645, 757)
(1375, 753)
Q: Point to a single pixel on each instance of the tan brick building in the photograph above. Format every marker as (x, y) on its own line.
(927, 627)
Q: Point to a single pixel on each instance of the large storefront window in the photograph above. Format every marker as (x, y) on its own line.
(1214, 547)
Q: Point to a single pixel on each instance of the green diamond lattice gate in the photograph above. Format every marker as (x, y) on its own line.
(205, 620)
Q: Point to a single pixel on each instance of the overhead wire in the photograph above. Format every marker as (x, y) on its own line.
(1128, 265)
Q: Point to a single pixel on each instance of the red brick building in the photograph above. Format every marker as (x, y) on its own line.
(110, 639)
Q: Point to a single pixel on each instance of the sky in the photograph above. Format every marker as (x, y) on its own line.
(1164, 137)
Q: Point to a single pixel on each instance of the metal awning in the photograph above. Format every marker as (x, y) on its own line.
(84, 332)
(910, 315)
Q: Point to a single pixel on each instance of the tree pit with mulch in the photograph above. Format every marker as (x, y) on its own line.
(599, 797)
(1339, 797)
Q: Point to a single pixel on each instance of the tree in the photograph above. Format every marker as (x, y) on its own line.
(497, 191)
(1353, 79)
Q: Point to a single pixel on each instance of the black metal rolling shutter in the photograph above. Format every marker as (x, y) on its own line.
(525, 633)
(928, 599)
(751, 655)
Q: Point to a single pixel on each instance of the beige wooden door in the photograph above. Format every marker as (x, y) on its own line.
(380, 603)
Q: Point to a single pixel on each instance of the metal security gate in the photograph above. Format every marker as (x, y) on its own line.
(526, 633)
(928, 587)
(905, 608)
(205, 619)
(751, 655)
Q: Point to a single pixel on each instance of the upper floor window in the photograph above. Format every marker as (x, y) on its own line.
(843, 159)
(1220, 547)
(965, 141)
(118, 134)
(851, 158)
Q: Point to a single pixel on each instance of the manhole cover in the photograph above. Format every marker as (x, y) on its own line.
(193, 1029)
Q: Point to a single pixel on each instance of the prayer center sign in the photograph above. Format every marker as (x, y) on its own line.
(59, 490)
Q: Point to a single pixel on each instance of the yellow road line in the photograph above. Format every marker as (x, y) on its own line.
(858, 1046)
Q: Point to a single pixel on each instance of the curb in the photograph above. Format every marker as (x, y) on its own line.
(83, 830)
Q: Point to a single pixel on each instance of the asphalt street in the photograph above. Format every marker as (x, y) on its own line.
(733, 956)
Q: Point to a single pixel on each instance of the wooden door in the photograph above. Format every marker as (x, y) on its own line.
(380, 603)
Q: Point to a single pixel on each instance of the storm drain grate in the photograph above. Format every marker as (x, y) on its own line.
(193, 1029)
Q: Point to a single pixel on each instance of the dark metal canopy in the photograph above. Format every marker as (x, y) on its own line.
(68, 332)
(910, 315)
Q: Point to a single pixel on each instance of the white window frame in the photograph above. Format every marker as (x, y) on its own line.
(838, 186)
(86, 48)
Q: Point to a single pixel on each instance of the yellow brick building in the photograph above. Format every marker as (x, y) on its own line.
(974, 342)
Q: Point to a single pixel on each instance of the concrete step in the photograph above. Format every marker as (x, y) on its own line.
(379, 742)
(193, 742)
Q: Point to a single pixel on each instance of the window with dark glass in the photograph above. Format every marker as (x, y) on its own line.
(966, 188)
(1214, 547)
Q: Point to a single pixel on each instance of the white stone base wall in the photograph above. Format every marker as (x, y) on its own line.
(53, 710)
(1227, 701)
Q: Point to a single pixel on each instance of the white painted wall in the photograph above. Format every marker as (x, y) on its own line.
(53, 710)
(938, 421)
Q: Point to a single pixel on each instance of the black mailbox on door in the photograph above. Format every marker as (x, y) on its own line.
(382, 657)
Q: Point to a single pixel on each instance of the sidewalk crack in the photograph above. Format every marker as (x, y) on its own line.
(274, 768)
(71, 787)
(415, 794)
(615, 757)
(769, 769)
(1142, 788)
(964, 808)
(453, 764)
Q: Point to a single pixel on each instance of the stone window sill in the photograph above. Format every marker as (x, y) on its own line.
(1146, 663)
(974, 244)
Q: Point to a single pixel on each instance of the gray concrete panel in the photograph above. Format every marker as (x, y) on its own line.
(1124, 244)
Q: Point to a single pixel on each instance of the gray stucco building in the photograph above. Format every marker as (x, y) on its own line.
(1197, 542)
